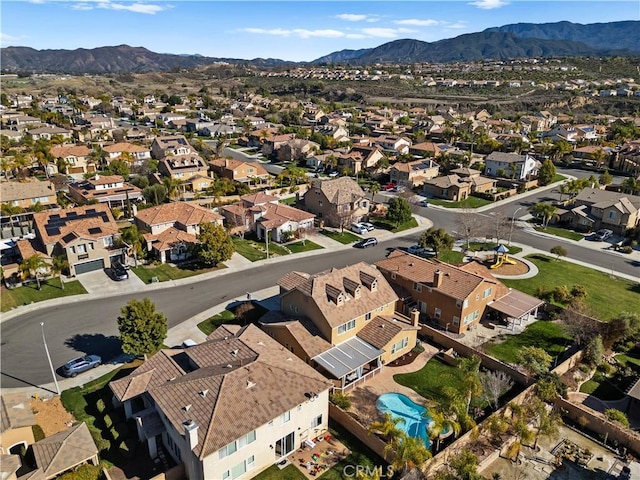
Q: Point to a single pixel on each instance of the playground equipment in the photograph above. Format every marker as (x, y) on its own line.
(502, 257)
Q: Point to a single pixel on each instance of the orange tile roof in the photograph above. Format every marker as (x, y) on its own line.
(89, 221)
(184, 213)
(62, 151)
(168, 238)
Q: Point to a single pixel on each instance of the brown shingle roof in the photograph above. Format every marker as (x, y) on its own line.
(178, 212)
(339, 190)
(456, 282)
(168, 238)
(124, 147)
(64, 450)
(10, 191)
(380, 330)
(15, 412)
(279, 214)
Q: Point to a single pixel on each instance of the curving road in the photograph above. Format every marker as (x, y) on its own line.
(90, 326)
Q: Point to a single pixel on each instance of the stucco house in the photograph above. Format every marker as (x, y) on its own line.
(239, 171)
(512, 165)
(343, 321)
(27, 194)
(413, 174)
(337, 202)
(77, 158)
(109, 189)
(227, 408)
(171, 228)
(16, 420)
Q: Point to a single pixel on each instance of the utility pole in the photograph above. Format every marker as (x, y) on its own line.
(513, 219)
(46, 349)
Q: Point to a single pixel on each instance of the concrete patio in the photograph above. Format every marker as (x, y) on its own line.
(314, 460)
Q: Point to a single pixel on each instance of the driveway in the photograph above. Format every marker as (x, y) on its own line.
(100, 282)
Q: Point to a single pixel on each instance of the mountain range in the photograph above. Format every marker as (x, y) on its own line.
(559, 39)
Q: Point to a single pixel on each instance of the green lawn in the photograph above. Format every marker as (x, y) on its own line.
(387, 225)
(469, 202)
(243, 313)
(291, 201)
(546, 335)
(255, 250)
(164, 271)
(602, 389)
(299, 247)
(487, 246)
(431, 379)
(606, 296)
(49, 289)
(452, 256)
(558, 178)
(626, 359)
(91, 403)
(210, 324)
(290, 472)
(342, 237)
(561, 232)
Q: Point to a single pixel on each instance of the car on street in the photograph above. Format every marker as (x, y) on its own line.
(81, 364)
(419, 251)
(368, 226)
(388, 186)
(423, 203)
(367, 242)
(602, 235)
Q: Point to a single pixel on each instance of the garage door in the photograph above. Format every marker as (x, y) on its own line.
(89, 266)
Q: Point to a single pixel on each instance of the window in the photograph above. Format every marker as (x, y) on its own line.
(345, 327)
(72, 249)
(107, 241)
(91, 246)
(487, 292)
(367, 316)
(612, 214)
(465, 304)
(456, 320)
(239, 469)
(316, 421)
(227, 450)
(417, 287)
(285, 417)
(82, 248)
(233, 447)
(399, 345)
(458, 303)
(437, 312)
(226, 475)
(250, 463)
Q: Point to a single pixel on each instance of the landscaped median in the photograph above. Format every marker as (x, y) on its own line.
(50, 289)
(163, 272)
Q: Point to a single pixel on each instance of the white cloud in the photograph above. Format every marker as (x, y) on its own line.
(489, 4)
(297, 32)
(357, 17)
(6, 38)
(82, 6)
(456, 25)
(146, 8)
(417, 22)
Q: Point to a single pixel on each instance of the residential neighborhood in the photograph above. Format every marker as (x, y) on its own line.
(231, 282)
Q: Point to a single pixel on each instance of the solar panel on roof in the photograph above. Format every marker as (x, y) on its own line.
(72, 214)
(52, 230)
(91, 211)
(94, 230)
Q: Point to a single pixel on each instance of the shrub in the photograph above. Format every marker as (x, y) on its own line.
(341, 400)
(561, 294)
(108, 423)
(100, 406)
(627, 249)
(83, 472)
(578, 291)
(617, 416)
(38, 433)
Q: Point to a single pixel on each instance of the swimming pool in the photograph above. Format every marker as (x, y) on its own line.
(415, 421)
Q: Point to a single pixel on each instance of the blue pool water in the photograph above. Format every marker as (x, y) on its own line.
(415, 421)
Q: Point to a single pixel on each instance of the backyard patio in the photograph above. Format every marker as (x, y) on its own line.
(316, 457)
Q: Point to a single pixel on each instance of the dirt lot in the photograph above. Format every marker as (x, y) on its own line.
(51, 415)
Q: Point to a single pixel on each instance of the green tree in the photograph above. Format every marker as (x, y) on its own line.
(544, 210)
(172, 186)
(441, 421)
(410, 452)
(546, 421)
(594, 352)
(133, 237)
(155, 194)
(606, 178)
(12, 211)
(32, 267)
(631, 185)
(519, 422)
(558, 251)
(550, 386)
(374, 188)
(436, 239)
(471, 384)
(399, 211)
(214, 244)
(547, 172)
(465, 465)
(534, 360)
(387, 427)
(59, 264)
(142, 329)
(617, 416)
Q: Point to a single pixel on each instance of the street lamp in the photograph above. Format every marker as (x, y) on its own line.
(46, 349)
(513, 219)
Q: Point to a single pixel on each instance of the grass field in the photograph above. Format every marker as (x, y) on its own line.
(431, 379)
(299, 247)
(469, 202)
(386, 225)
(210, 324)
(342, 237)
(165, 272)
(452, 256)
(546, 335)
(561, 232)
(255, 250)
(606, 296)
(600, 387)
(30, 294)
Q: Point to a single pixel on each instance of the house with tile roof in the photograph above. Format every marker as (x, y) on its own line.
(226, 408)
(171, 228)
(413, 174)
(29, 193)
(450, 187)
(47, 132)
(343, 321)
(190, 169)
(16, 420)
(77, 158)
(262, 214)
(455, 297)
(593, 209)
(86, 235)
(239, 170)
(170, 145)
(136, 154)
(109, 189)
(337, 202)
(514, 165)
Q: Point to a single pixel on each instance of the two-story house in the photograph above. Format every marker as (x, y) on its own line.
(16, 422)
(48, 132)
(190, 169)
(170, 145)
(86, 235)
(227, 408)
(75, 158)
(593, 209)
(394, 144)
(511, 165)
(337, 202)
(28, 194)
(171, 228)
(455, 297)
(135, 154)
(413, 174)
(343, 321)
(109, 189)
(239, 171)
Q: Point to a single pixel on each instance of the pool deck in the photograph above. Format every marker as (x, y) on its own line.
(363, 397)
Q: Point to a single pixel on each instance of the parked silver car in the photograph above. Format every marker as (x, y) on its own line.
(81, 364)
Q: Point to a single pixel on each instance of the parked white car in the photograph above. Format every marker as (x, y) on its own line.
(358, 228)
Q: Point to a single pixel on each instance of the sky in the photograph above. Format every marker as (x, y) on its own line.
(290, 30)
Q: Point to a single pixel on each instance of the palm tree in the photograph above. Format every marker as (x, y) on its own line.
(132, 237)
(631, 185)
(31, 266)
(173, 187)
(374, 188)
(58, 265)
(11, 211)
(6, 165)
(545, 210)
(563, 190)
(441, 422)
(519, 424)
(388, 427)
(546, 421)
(472, 386)
(410, 452)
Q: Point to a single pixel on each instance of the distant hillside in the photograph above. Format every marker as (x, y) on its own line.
(469, 47)
(604, 36)
(343, 56)
(122, 58)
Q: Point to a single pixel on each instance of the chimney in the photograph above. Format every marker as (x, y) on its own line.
(437, 277)
(415, 317)
(190, 433)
